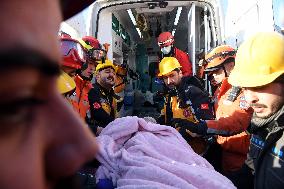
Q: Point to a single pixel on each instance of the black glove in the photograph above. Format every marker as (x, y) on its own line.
(183, 125)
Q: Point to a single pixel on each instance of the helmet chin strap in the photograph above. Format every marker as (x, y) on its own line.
(225, 71)
(224, 63)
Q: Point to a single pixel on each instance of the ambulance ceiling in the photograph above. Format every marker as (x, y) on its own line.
(159, 15)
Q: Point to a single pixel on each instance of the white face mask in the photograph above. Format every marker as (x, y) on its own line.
(166, 50)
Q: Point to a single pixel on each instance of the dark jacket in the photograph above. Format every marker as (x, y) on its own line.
(103, 106)
(190, 102)
(266, 155)
(190, 94)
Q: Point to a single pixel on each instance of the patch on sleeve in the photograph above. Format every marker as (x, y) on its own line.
(243, 103)
(186, 113)
(97, 105)
(204, 107)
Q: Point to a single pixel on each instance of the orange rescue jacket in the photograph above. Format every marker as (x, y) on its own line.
(79, 99)
(232, 117)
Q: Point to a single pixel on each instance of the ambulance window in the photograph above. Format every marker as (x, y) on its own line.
(278, 15)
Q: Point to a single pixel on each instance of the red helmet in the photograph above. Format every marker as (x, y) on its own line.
(93, 47)
(73, 52)
(165, 39)
(93, 42)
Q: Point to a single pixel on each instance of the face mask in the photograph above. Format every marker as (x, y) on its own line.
(166, 50)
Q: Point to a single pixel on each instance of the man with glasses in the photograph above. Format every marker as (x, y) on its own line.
(42, 142)
(93, 53)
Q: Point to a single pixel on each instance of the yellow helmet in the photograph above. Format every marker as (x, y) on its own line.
(167, 65)
(218, 56)
(65, 83)
(259, 60)
(107, 63)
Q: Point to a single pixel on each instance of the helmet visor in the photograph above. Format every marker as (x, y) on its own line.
(97, 54)
(69, 45)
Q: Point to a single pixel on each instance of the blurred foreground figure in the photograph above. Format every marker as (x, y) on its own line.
(42, 142)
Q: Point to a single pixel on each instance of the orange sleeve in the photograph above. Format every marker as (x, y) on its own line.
(237, 143)
(233, 124)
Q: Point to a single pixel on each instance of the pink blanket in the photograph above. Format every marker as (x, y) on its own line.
(137, 154)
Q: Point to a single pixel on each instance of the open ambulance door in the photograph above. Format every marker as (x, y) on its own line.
(202, 36)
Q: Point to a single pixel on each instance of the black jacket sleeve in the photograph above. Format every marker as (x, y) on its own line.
(161, 120)
(192, 93)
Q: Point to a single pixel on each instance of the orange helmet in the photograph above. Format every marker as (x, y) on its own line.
(219, 56)
(72, 51)
(165, 39)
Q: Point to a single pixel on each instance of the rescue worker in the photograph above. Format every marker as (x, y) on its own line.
(74, 57)
(103, 101)
(42, 142)
(260, 71)
(231, 111)
(185, 99)
(166, 44)
(94, 53)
